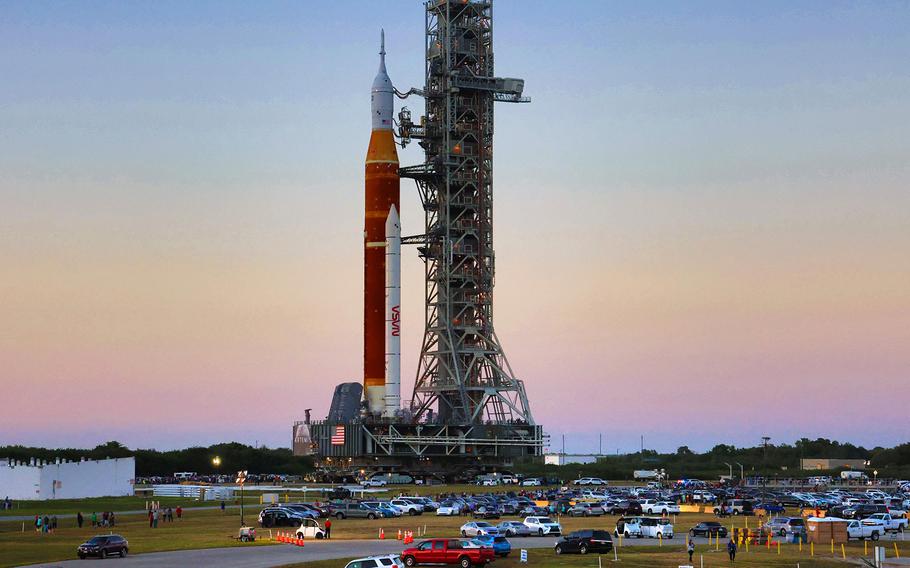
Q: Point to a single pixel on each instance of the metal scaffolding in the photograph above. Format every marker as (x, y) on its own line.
(463, 377)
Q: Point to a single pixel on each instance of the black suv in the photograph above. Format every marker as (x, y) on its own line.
(864, 510)
(585, 541)
(103, 546)
(281, 517)
(709, 529)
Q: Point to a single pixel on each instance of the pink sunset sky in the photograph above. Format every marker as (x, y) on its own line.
(702, 224)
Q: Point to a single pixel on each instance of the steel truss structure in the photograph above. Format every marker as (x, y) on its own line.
(463, 377)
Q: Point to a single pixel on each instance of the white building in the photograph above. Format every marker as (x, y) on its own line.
(564, 459)
(63, 479)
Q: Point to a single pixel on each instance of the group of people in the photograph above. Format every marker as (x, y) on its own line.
(45, 524)
(163, 515)
(731, 550)
(6, 505)
(107, 519)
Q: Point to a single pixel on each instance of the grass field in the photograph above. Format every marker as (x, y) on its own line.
(643, 557)
(116, 504)
(212, 528)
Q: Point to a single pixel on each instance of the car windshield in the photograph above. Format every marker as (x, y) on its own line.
(97, 540)
(543, 520)
(484, 525)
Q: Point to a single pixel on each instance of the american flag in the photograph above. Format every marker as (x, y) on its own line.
(338, 436)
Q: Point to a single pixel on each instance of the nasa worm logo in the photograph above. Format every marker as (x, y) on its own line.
(396, 321)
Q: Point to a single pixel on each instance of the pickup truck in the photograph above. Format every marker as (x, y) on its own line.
(446, 551)
(863, 530)
(896, 524)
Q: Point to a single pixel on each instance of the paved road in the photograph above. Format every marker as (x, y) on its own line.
(278, 555)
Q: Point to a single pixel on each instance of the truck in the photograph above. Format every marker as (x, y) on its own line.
(642, 474)
(893, 524)
(854, 475)
(448, 551)
(863, 530)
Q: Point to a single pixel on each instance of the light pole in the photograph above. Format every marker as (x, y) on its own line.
(731, 470)
(874, 477)
(241, 478)
(742, 474)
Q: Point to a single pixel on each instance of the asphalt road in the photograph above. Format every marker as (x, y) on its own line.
(279, 555)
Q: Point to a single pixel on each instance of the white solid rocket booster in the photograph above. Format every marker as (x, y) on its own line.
(392, 314)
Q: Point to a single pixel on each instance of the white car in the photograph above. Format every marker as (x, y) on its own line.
(661, 508)
(407, 507)
(309, 528)
(387, 561)
(543, 526)
(589, 481)
(476, 528)
(448, 510)
(531, 481)
(656, 528)
(374, 482)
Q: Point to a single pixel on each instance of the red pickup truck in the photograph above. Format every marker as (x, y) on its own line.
(446, 551)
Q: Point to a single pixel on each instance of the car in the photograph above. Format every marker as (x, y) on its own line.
(784, 526)
(355, 511)
(387, 561)
(628, 527)
(448, 509)
(446, 551)
(660, 508)
(530, 482)
(103, 546)
(543, 526)
(513, 528)
(709, 529)
(585, 541)
(374, 482)
(310, 528)
(281, 517)
(500, 545)
(407, 507)
(475, 528)
(891, 523)
(583, 509)
(589, 481)
(734, 507)
(656, 528)
(300, 510)
(769, 507)
(485, 513)
(627, 508)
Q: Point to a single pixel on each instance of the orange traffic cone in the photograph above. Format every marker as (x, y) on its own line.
(299, 542)
(399, 534)
(381, 534)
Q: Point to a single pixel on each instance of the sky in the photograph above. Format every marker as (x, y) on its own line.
(702, 218)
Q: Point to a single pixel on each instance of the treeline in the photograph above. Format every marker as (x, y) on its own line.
(234, 457)
(781, 461)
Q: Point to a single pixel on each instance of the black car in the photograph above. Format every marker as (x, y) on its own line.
(864, 510)
(709, 529)
(585, 541)
(104, 546)
(280, 517)
(627, 508)
(486, 513)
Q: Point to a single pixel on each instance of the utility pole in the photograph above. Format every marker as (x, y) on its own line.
(600, 444)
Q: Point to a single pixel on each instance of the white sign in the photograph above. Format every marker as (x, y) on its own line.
(524, 555)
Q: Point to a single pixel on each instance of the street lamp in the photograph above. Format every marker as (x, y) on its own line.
(216, 461)
(875, 476)
(241, 478)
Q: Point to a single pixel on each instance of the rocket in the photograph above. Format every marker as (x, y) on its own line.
(381, 254)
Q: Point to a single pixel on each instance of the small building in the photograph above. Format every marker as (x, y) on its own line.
(565, 459)
(825, 464)
(64, 479)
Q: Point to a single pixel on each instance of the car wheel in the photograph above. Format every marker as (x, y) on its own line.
(539, 532)
(558, 549)
(660, 535)
(412, 512)
(339, 516)
(81, 557)
(900, 529)
(692, 532)
(735, 512)
(782, 532)
(103, 554)
(583, 549)
(665, 512)
(410, 561)
(371, 516)
(124, 552)
(465, 562)
(875, 536)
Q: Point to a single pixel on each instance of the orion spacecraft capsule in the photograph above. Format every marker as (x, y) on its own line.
(381, 254)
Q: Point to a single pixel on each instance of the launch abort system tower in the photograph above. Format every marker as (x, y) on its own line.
(468, 412)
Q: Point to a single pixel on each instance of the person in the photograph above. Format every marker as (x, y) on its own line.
(691, 550)
(155, 519)
(170, 515)
(328, 529)
(45, 524)
(222, 505)
(37, 523)
(79, 519)
(94, 519)
(110, 518)
(54, 523)
(104, 518)
(731, 550)
(151, 518)
(179, 512)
